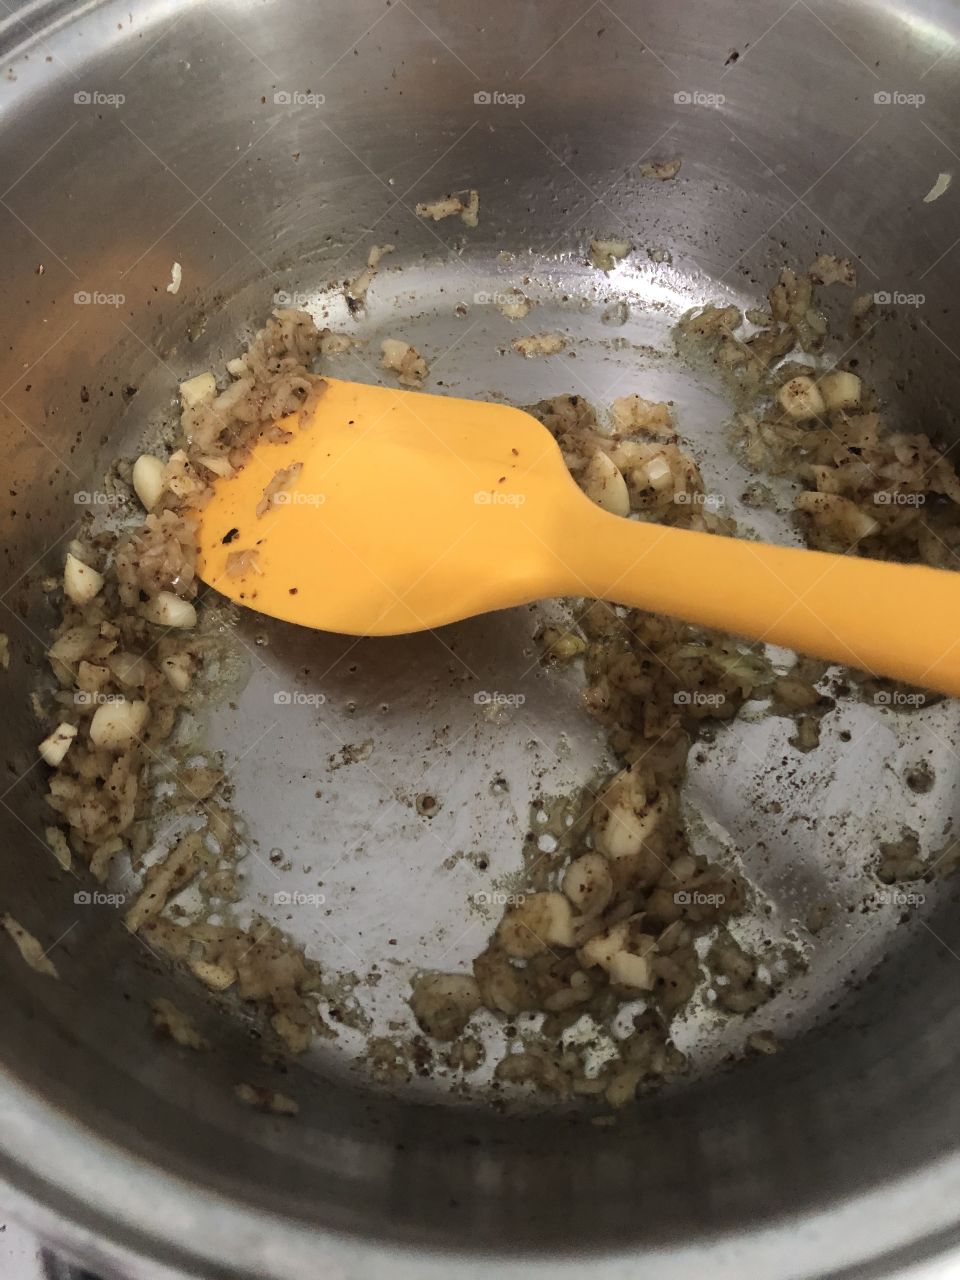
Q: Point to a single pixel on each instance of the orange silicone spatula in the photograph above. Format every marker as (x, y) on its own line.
(406, 511)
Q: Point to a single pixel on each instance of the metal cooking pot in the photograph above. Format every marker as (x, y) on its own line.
(265, 146)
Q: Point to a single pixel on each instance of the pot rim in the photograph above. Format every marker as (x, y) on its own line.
(100, 1203)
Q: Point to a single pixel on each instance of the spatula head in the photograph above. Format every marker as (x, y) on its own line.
(390, 511)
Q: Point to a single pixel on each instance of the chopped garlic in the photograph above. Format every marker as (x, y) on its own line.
(116, 726)
(199, 390)
(219, 466)
(540, 921)
(539, 344)
(829, 269)
(168, 610)
(165, 879)
(840, 390)
(660, 170)
(57, 844)
(451, 206)
(278, 1104)
(55, 747)
(148, 479)
(588, 884)
(443, 1003)
(605, 254)
(800, 399)
(403, 360)
(843, 518)
(170, 1020)
(939, 187)
(80, 583)
(562, 646)
(356, 289)
(438, 209)
(335, 344)
(625, 818)
(602, 947)
(30, 949)
(275, 492)
(513, 304)
(633, 413)
(603, 484)
(629, 970)
(178, 669)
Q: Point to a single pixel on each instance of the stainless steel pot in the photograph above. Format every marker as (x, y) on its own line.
(265, 146)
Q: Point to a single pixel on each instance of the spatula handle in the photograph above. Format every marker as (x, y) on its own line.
(895, 620)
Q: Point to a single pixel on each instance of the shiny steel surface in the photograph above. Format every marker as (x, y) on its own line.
(837, 1156)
